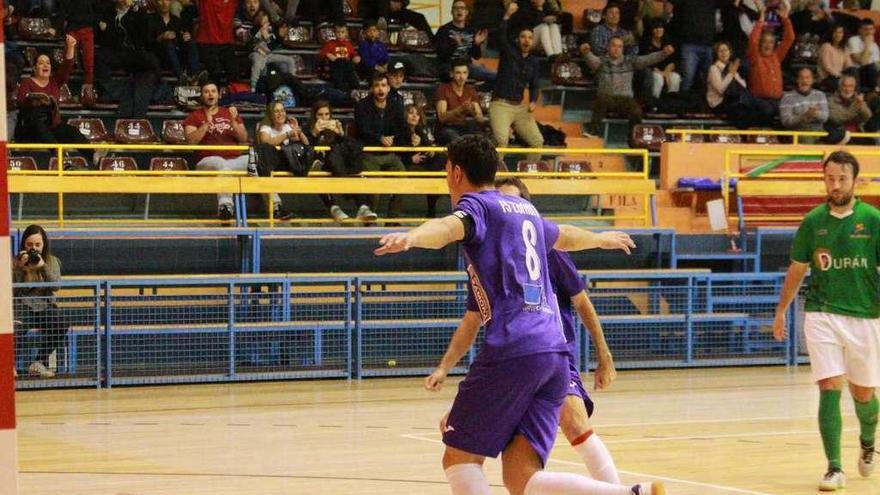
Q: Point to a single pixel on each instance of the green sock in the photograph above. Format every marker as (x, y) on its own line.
(830, 425)
(867, 413)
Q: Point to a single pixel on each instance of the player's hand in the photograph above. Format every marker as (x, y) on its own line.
(396, 242)
(605, 374)
(617, 240)
(780, 332)
(434, 381)
(443, 421)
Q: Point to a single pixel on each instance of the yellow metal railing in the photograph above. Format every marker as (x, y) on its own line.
(795, 135)
(636, 183)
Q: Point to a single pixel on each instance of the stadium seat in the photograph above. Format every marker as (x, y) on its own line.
(92, 129)
(66, 99)
(169, 164)
(135, 131)
(762, 139)
(413, 40)
(34, 28)
(725, 138)
(359, 94)
(533, 167)
(173, 132)
(688, 138)
(70, 163)
(574, 166)
(298, 36)
(570, 45)
(591, 18)
(299, 67)
(485, 99)
(118, 164)
(568, 74)
(21, 163)
(649, 137)
(414, 97)
(325, 34)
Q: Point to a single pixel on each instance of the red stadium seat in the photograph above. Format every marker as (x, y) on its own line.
(169, 164)
(762, 139)
(533, 167)
(173, 132)
(574, 166)
(325, 34)
(92, 129)
(118, 164)
(568, 74)
(70, 163)
(359, 94)
(649, 137)
(66, 99)
(21, 163)
(725, 138)
(414, 40)
(298, 36)
(35, 28)
(135, 131)
(414, 97)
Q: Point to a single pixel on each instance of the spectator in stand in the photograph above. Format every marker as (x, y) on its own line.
(834, 59)
(36, 307)
(693, 26)
(728, 94)
(79, 18)
(170, 42)
(324, 130)
(216, 39)
(539, 16)
(456, 40)
(39, 120)
(610, 28)
(813, 20)
(216, 125)
(518, 68)
(805, 108)
(458, 106)
(342, 59)
(847, 111)
(123, 39)
(266, 46)
(380, 122)
(847, 16)
(865, 53)
(660, 75)
(275, 132)
(246, 19)
(651, 9)
(396, 78)
(765, 71)
(614, 74)
(399, 13)
(374, 54)
(419, 135)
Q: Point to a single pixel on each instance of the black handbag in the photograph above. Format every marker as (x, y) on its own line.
(299, 158)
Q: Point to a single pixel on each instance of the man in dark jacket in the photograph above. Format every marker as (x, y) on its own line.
(456, 40)
(380, 122)
(170, 40)
(122, 35)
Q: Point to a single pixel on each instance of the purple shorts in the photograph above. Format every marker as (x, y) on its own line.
(496, 401)
(576, 386)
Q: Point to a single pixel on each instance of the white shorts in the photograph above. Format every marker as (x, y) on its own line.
(843, 345)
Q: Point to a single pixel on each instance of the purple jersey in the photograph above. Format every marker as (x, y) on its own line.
(508, 275)
(567, 283)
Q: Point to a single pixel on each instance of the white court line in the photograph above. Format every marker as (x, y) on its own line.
(631, 473)
(705, 421)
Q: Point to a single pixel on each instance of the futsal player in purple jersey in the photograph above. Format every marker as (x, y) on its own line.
(577, 408)
(509, 402)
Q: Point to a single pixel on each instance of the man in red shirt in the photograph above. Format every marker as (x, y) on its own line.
(216, 37)
(765, 73)
(458, 106)
(216, 125)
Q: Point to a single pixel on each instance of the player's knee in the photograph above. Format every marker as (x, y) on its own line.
(833, 383)
(515, 480)
(861, 394)
(573, 419)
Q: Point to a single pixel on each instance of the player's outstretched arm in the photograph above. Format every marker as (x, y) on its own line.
(433, 234)
(461, 341)
(605, 372)
(793, 280)
(572, 238)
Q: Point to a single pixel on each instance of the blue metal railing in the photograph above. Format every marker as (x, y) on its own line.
(207, 329)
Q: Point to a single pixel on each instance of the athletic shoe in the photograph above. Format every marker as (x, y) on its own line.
(833, 480)
(338, 215)
(38, 368)
(650, 488)
(365, 214)
(866, 461)
(280, 214)
(225, 213)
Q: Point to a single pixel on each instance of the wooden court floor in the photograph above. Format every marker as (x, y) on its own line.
(705, 432)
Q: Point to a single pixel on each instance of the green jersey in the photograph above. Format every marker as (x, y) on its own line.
(843, 255)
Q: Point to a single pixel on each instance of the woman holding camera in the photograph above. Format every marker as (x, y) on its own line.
(35, 307)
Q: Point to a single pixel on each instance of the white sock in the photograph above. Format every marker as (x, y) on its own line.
(467, 479)
(544, 483)
(597, 458)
